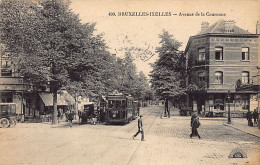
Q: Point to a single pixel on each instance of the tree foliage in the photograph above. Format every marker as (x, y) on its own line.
(50, 47)
(167, 76)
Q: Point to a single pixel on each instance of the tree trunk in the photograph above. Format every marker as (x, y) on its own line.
(76, 105)
(54, 121)
(166, 109)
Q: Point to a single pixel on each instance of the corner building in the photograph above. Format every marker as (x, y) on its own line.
(216, 59)
(11, 84)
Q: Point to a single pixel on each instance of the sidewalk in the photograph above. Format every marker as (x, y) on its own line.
(236, 123)
(241, 124)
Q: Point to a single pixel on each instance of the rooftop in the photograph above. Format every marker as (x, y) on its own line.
(219, 27)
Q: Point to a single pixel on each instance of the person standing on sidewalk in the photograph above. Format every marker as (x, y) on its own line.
(194, 127)
(70, 118)
(249, 118)
(140, 128)
(255, 116)
(59, 115)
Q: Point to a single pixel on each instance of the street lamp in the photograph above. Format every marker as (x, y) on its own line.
(228, 101)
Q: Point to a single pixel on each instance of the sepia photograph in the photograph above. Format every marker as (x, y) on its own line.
(129, 82)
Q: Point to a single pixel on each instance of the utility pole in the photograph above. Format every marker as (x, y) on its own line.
(229, 100)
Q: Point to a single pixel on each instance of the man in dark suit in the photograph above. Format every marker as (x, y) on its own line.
(140, 128)
(195, 123)
(70, 118)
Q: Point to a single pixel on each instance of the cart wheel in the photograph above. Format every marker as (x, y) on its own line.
(4, 123)
(12, 122)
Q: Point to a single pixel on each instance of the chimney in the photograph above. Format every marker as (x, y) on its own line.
(204, 26)
(229, 26)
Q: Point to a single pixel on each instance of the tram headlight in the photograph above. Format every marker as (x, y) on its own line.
(114, 113)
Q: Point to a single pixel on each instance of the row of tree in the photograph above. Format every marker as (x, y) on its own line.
(50, 47)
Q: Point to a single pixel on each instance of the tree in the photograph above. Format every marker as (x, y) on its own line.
(48, 43)
(167, 75)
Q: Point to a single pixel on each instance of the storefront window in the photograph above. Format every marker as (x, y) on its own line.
(245, 104)
(219, 104)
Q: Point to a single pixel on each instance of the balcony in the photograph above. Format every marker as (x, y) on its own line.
(11, 83)
(220, 88)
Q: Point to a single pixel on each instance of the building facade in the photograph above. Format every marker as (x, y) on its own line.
(216, 58)
(11, 84)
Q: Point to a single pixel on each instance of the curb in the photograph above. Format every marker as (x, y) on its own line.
(258, 136)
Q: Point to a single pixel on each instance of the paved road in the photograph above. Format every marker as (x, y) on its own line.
(167, 143)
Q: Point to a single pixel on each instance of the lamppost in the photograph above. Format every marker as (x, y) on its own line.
(228, 101)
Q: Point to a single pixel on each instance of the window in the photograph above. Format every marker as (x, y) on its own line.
(5, 66)
(7, 97)
(218, 53)
(245, 77)
(219, 77)
(245, 53)
(202, 54)
(245, 104)
(201, 77)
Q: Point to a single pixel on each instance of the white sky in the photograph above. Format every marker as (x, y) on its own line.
(143, 31)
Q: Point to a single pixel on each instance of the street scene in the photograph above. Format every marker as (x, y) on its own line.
(129, 83)
(167, 141)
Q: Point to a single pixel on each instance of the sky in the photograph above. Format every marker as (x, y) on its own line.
(124, 32)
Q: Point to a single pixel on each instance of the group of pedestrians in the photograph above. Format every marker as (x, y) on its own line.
(249, 117)
(195, 123)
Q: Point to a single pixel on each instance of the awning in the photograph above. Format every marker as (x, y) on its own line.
(47, 99)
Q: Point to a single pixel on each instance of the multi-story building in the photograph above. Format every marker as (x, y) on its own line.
(216, 58)
(11, 84)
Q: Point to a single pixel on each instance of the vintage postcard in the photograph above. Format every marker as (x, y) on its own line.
(129, 82)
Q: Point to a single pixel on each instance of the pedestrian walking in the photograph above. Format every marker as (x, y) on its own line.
(192, 118)
(70, 118)
(194, 127)
(140, 128)
(249, 118)
(255, 116)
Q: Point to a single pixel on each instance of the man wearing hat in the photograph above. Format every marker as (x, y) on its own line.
(195, 123)
(140, 128)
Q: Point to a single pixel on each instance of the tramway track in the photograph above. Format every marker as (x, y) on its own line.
(140, 141)
(129, 131)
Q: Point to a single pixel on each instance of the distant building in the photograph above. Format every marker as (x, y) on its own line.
(216, 58)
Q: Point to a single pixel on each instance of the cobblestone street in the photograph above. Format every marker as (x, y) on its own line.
(167, 142)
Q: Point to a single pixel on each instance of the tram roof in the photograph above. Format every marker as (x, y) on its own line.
(119, 97)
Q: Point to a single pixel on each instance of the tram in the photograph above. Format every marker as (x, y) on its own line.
(86, 112)
(120, 109)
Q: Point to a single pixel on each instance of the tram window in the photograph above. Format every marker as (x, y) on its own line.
(118, 103)
(123, 104)
(111, 103)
